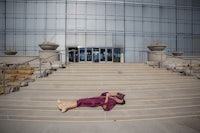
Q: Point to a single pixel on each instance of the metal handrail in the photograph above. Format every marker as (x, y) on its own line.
(190, 59)
(4, 68)
(161, 57)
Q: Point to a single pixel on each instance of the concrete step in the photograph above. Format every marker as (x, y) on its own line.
(115, 78)
(114, 85)
(129, 94)
(52, 100)
(32, 104)
(98, 114)
(99, 89)
(99, 74)
(117, 82)
(112, 68)
(125, 77)
(96, 88)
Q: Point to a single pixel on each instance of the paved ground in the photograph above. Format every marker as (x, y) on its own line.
(177, 125)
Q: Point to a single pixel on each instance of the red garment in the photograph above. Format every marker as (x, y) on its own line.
(98, 101)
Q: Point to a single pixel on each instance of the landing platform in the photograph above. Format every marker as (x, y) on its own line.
(176, 125)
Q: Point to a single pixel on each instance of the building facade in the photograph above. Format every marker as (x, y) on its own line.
(100, 30)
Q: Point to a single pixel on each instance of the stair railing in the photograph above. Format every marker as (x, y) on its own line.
(190, 59)
(160, 63)
(43, 59)
(4, 68)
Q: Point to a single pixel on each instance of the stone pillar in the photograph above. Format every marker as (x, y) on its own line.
(158, 56)
(47, 53)
(122, 58)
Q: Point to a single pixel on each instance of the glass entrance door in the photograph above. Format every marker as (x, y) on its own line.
(89, 54)
(95, 54)
(82, 54)
(116, 54)
(109, 54)
(72, 54)
(102, 54)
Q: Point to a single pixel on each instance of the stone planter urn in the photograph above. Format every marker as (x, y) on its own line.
(10, 52)
(177, 53)
(156, 47)
(156, 53)
(48, 46)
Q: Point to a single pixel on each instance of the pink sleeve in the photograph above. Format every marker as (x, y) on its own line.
(110, 105)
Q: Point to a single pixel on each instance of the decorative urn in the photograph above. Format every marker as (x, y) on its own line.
(48, 46)
(177, 53)
(156, 47)
(10, 52)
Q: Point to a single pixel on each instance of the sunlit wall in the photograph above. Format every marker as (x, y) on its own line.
(128, 24)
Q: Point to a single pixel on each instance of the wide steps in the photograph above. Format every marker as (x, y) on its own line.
(151, 93)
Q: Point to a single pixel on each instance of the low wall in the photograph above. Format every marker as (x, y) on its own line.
(52, 54)
(184, 59)
(157, 56)
(14, 59)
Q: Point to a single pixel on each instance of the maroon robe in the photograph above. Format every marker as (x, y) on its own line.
(99, 101)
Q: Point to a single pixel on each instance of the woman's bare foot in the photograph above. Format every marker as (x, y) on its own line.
(58, 101)
(61, 106)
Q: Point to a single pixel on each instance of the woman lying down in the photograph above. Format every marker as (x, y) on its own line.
(106, 100)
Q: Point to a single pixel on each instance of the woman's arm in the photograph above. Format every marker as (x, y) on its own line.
(109, 95)
(114, 94)
(106, 100)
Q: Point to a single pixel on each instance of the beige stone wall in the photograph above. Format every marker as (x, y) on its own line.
(13, 59)
(157, 56)
(47, 53)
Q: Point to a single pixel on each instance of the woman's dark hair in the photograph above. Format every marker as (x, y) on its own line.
(124, 102)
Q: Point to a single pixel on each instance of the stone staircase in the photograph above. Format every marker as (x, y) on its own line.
(151, 93)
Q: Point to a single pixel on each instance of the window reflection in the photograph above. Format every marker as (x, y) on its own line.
(89, 54)
(102, 55)
(82, 54)
(94, 54)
